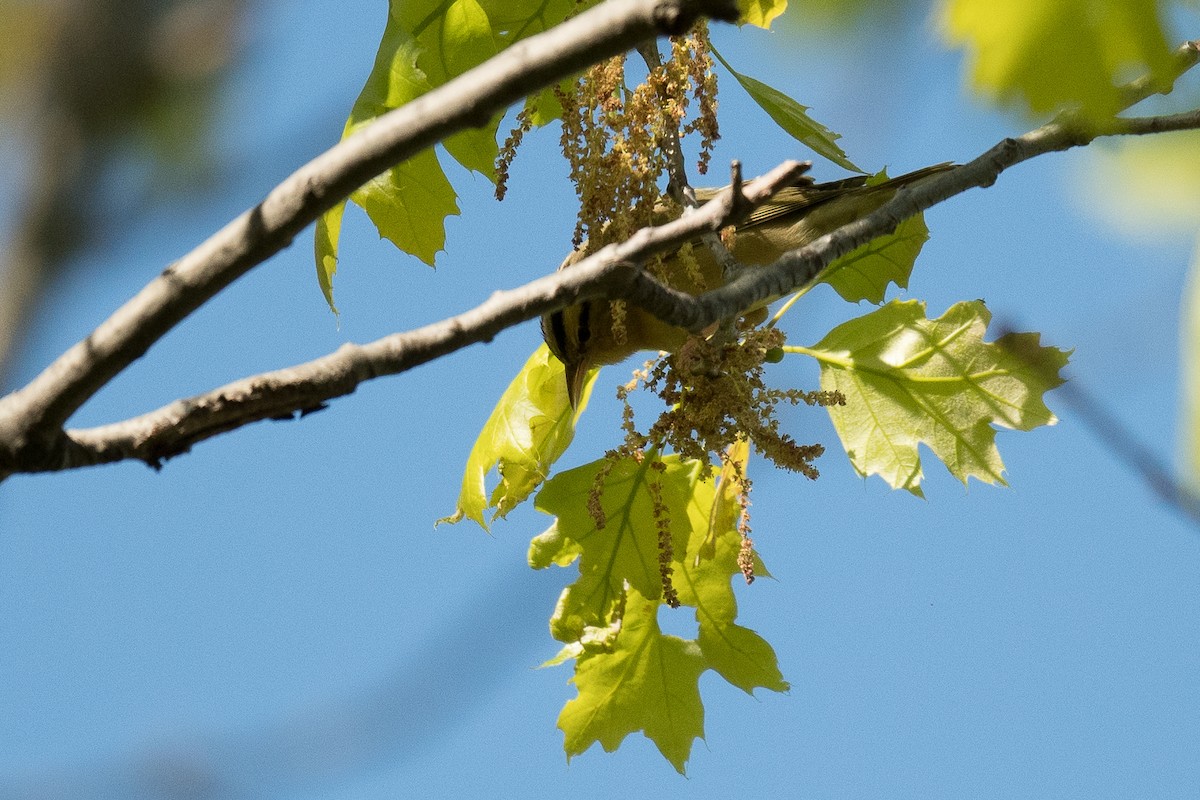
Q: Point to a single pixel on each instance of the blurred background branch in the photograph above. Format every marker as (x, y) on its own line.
(105, 104)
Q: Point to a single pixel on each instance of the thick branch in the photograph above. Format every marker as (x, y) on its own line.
(172, 429)
(608, 273)
(31, 418)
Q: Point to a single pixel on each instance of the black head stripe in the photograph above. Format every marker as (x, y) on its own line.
(585, 324)
(554, 331)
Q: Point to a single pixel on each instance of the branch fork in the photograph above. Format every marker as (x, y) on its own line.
(32, 437)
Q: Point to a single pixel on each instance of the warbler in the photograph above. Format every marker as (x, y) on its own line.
(583, 336)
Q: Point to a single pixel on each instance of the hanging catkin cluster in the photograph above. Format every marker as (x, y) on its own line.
(715, 393)
(618, 143)
(613, 136)
(715, 396)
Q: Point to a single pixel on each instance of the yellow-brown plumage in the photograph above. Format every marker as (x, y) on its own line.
(582, 336)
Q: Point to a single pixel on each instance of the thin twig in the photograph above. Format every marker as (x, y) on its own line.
(1141, 126)
(1137, 90)
(678, 187)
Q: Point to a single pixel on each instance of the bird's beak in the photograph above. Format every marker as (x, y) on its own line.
(576, 377)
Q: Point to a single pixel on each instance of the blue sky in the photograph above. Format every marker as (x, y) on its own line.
(273, 614)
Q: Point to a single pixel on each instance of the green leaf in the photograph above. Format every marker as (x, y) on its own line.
(1143, 185)
(530, 427)
(793, 118)
(454, 37)
(513, 20)
(761, 12)
(395, 78)
(908, 380)
(702, 579)
(329, 230)
(409, 203)
(649, 682)
(625, 550)
(723, 509)
(425, 44)
(629, 675)
(545, 107)
(1055, 53)
(457, 35)
(864, 273)
(551, 547)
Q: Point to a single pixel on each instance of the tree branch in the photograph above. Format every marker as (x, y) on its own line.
(1139, 126)
(799, 267)
(610, 273)
(31, 418)
(304, 388)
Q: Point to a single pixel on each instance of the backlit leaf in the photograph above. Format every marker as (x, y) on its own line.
(551, 547)
(513, 20)
(451, 38)
(630, 676)
(761, 12)
(425, 44)
(1142, 185)
(408, 204)
(625, 550)
(910, 380)
(702, 578)
(648, 682)
(1190, 355)
(1054, 53)
(325, 242)
(530, 427)
(864, 273)
(793, 118)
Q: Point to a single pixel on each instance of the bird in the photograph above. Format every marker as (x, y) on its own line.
(583, 336)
